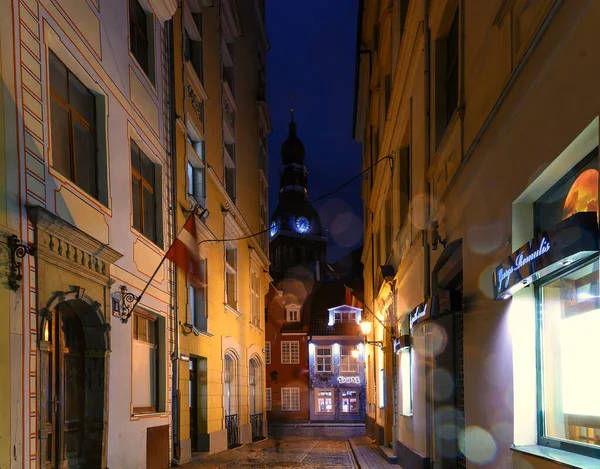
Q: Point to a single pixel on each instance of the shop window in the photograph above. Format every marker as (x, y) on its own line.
(349, 402)
(290, 399)
(324, 401)
(576, 192)
(406, 380)
(323, 359)
(569, 321)
(381, 388)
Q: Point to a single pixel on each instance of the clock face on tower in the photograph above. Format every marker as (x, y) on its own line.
(302, 224)
(274, 228)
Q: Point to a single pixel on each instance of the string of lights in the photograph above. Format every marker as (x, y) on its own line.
(324, 196)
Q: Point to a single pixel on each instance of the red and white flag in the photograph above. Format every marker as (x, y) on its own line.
(185, 252)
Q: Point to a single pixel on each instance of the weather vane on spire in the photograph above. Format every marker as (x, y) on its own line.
(292, 105)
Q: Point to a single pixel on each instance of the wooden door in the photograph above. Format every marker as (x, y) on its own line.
(193, 389)
(62, 360)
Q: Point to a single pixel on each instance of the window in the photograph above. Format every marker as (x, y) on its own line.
(141, 37)
(230, 169)
(145, 177)
(348, 364)
(403, 181)
(323, 359)
(349, 401)
(145, 362)
(269, 399)
(406, 380)
(73, 128)
(569, 322)
(324, 400)
(231, 275)
(451, 82)
(192, 46)
(198, 298)
(290, 399)
(254, 393)
(196, 168)
(255, 298)
(292, 314)
(230, 391)
(345, 316)
(268, 352)
(290, 352)
(381, 388)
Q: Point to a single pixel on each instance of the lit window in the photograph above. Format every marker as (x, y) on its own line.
(196, 169)
(569, 322)
(349, 402)
(146, 359)
(348, 364)
(323, 360)
(406, 380)
(381, 389)
(345, 316)
(290, 352)
(324, 400)
(290, 399)
(197, 298)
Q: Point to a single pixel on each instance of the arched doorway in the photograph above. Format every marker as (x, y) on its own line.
(231, 399)
(73, 344)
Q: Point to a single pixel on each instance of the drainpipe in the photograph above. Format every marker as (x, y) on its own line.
(427, 159)
(175, 313)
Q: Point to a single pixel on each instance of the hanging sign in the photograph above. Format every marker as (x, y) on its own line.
(420, 313)
(570, 240)
(401, 342)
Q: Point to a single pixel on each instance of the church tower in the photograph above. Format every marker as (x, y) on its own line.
(298, 244)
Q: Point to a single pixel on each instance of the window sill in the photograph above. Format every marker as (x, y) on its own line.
(145, 415)
(254, 326)
(232, 310)
(559, 456)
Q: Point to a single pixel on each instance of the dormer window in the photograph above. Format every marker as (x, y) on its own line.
(292, 314)
(345, 316)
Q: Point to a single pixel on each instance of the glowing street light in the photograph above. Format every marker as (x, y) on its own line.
(365, 327)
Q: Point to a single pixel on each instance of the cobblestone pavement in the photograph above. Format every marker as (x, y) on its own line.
(328, 449)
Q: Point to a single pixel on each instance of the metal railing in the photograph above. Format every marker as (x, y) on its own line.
(233, 430)
(256, 420)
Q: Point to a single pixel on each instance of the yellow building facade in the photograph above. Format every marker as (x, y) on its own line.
(221, 169)
(474, 118)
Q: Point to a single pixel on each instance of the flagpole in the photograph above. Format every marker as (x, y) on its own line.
(162, 261)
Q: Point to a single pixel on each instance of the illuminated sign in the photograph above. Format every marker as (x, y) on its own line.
(571, 240)
(420, 313)
(349, 379)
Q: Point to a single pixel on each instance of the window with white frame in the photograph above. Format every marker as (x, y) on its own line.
(269, 399)
(268, 352)
(345, 316)
(292, 314)
(349, 401)
(192, 42)
(290, 352)
(348, 364)
(255, 298)
(290, 399)
(323, 360)
(231, 275)
(196, 166)
(324, 401)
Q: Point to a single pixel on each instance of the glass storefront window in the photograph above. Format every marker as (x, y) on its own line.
(349, 402)
(325, 401)
(569, 323)
(406, 380)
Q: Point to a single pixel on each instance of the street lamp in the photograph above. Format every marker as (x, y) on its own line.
(365, 327)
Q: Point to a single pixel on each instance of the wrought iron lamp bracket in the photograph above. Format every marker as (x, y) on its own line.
(18, 250)
(125, 300)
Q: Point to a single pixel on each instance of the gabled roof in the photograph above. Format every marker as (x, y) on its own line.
(327, 296)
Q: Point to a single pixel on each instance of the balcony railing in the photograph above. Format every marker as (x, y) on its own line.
(256, 421)
(233, 430)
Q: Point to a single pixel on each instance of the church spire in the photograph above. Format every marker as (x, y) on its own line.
(292, 123)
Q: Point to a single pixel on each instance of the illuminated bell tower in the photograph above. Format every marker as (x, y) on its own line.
(298, 245)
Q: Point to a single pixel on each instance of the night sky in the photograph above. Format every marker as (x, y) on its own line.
(312, 55)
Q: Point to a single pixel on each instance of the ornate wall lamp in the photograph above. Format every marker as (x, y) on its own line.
(274, 375)
(434, 236)
(121, 302)
(18, 250)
